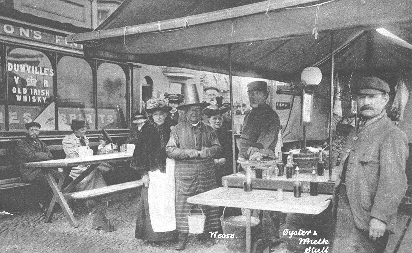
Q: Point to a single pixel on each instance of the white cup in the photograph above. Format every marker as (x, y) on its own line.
(130, 148)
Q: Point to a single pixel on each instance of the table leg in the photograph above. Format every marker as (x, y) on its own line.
(49, 213)
(60, 199)
(248, 231)
(77, 180)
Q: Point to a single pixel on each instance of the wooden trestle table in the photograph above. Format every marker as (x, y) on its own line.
(62, 195)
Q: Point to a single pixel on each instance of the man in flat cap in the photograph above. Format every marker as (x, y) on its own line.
(259, 137)
(372, 179)
(261, 125)
(31, 149)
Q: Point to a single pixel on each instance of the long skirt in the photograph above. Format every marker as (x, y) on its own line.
(144, 228)
(194, 177)
(347, 237)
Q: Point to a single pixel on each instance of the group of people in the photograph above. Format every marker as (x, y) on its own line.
(180, 157)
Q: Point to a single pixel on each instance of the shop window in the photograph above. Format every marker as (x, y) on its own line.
(30, 79)
(2, 119)
(2, 81)
(75, 92)
(147, 88)
(111, 96)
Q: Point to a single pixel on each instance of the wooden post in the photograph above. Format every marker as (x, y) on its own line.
(332, 77)
(248, 231)
(229, 47)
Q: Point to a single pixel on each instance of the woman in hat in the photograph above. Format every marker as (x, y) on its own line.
(155, 215)
(223, 160)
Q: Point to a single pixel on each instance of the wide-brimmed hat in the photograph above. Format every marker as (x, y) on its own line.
(139, 116)
(191, 97)
(157, 104)
(174, 98)
(32, 124)
(372, 85)
(77, 124)
(213, 110)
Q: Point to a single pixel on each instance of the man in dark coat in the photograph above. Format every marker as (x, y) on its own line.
(372, 179)
(31, 149)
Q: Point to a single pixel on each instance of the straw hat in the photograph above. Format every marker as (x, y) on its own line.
(191, 97)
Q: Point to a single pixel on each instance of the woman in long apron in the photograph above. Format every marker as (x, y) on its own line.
(155, 215)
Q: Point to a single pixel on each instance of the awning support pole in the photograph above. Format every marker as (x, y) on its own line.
(332, 77)
(229, 48)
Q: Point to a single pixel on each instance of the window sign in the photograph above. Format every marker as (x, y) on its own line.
(30, 77)
(66, 115)
(20, 115)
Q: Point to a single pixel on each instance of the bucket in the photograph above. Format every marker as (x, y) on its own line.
(236, 225)
(196, 222)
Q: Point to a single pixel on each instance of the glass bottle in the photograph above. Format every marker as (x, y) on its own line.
(297, 185)
(314, 184)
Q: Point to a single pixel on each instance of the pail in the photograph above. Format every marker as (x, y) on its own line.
(196, 221)
(236, 225)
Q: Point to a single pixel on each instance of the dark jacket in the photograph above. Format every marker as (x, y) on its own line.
(31, 150)
(260, 129)
(150, 142)
(375, 177)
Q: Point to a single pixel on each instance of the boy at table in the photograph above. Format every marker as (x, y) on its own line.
(71, 144)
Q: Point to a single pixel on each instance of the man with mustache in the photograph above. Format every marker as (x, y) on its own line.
(372, 179)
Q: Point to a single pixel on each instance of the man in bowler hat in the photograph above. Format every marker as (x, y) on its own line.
(372, 179)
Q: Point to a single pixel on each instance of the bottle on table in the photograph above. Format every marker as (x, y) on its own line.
(314, 184)
(289, 167)
(297, 185)
(321, 164)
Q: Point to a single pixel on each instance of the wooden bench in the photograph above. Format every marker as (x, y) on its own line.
(104, 191)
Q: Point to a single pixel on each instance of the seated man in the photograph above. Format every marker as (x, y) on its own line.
(31, 149)
(71, 144)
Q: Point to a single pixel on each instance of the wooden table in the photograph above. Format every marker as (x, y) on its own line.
(261, 200)
(61, 195)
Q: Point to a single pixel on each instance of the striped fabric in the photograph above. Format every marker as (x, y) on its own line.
(194, 177)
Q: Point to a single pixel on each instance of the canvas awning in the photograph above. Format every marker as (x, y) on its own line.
(269, 39)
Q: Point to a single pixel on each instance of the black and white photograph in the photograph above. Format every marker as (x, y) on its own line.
(205, 126)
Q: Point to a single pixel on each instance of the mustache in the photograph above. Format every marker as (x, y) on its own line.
(366, 107)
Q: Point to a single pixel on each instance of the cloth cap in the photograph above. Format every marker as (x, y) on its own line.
(372, 85)
(32, 124)
(257, 85)
(77, 124)
(211, 88)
